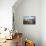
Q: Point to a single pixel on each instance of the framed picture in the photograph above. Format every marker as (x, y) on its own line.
(29, 19)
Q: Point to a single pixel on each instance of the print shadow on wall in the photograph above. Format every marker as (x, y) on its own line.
(29, 20)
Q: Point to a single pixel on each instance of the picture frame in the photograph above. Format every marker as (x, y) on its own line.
(29, 20)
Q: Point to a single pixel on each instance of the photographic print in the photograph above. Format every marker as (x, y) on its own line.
(29, 19)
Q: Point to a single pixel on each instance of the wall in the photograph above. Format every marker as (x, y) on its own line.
(29, 8)
(6, 13)
(43, 22)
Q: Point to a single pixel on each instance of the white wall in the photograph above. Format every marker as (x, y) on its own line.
(31, 8)
(6, 13)
(43, 22)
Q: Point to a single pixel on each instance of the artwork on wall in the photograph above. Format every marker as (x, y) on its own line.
(29, 19)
